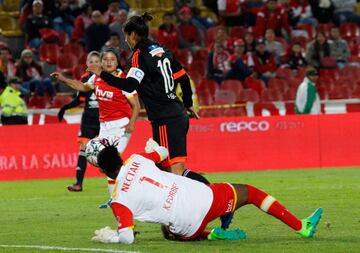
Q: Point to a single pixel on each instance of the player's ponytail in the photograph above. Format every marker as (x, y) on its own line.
(109, 159)
(138, 24)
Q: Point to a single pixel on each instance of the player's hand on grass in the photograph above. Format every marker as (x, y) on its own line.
(106, 235)
(151, 145)
(94, 69)
(192, 112)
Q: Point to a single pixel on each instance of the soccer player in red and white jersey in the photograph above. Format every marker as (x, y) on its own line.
(183, 206)
(118, 109)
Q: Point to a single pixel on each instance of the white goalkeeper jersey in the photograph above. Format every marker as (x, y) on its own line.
(161, 197)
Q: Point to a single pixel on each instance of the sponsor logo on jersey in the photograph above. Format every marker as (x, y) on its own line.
(104, 94)
(252, 126)
(155, 49)
(171, 196)
(129, 178)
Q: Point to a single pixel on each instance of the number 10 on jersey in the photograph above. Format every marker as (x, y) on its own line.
(165, 68)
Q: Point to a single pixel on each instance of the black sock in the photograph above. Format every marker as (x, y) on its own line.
(195, 176)
(81, 168)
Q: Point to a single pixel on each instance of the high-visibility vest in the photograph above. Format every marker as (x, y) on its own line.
(11, 103)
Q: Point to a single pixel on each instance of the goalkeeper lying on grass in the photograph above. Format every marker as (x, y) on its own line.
(183, 206)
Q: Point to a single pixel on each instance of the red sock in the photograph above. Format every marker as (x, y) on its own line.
(271, 206)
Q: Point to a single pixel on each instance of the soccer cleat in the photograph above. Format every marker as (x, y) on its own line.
(222, 234)
(74, 188)
(226, 219)
(310, 223)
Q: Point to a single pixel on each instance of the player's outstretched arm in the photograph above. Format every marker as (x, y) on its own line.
(76, 85)
(75, 102)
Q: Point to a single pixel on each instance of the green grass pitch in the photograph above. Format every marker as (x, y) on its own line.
(44, 213)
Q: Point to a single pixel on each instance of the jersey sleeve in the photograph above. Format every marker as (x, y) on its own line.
(178, 70)
(137, 70)
(123, 216)
(90, 82)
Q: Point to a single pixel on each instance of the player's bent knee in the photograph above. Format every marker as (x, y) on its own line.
(242, 195)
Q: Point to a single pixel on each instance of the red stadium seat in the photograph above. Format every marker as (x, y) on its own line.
(290, 94)
(66, 62)
(290, 108)
(325, 28)
(184, 56)
(78, 71)
(208, 85)
(277, 83)
(196, 77)
(211, 34)
(83, 58)
(284, 73)
(216, 112)
(38, 102)
(340, 92)
(235, 112)
(349, 30)
(248, 95)
(346, 81)
(201, 54)
(356, 92)
(205, 98)
(310, 29)
(237, 31)
(255, 84)
(60, 100)
(295, 81)
(223, 97)
(198, 66)
(233, 85)
(63, 38)
(74, 48)
(49, 53)
(269, 95)
(325, 81)
(328, 62)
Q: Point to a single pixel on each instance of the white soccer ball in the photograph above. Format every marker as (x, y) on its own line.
(93, 148)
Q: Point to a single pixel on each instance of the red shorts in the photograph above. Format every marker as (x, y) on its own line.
(224, 202)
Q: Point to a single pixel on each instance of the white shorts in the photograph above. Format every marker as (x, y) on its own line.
(116, 128)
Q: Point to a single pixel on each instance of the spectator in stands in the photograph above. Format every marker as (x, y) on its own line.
(82, 22)
(250, 43)
(97, 33)
(273, 46)
(7, 66)
(322, 10)
(339, 48)
(218, 63)
(34, 23)
(63, 19)
(264, 62)
(112, 12)
(300, 13)
(317, 49)
(307, 99)
(117, 26)
(223, 38)
(230, 12)
(344, 11)
(189, 35)
(239, 60)
(114, 43)
(31, 73)
(12, 105)
(201, 22)
(167, 34)
(272, 17)
(295, 58)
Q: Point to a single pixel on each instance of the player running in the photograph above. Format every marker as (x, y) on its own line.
(89, 126)
(183, 206)
(154, 74)
(118, 109)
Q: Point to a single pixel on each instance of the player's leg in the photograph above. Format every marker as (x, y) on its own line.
(80, 168)
(172, 135)
(248, 194)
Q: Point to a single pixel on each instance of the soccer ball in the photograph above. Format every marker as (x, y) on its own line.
(93, 148)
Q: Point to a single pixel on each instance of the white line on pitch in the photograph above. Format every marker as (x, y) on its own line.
(41, 247)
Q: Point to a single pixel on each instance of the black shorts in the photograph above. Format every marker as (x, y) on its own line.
(171, 133)
(87, 133)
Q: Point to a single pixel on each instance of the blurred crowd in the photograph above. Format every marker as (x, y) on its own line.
(242, 39)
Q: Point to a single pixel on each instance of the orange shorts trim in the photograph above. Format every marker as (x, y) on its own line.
(224, 201)
(167, 163)
(83, 140)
